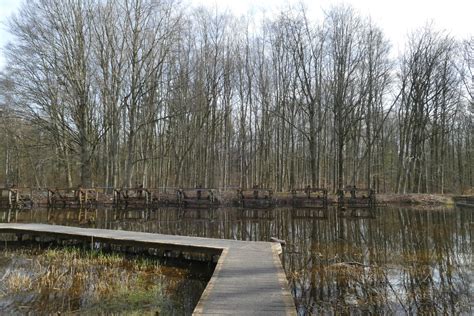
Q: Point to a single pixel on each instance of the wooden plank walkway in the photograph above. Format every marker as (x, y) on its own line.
(248, 280)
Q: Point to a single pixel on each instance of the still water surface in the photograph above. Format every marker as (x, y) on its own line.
(390, 260)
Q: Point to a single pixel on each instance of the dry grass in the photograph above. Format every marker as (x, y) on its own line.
(415, 199)
(17, 281)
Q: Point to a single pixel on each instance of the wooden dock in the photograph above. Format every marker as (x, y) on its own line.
(248, 279)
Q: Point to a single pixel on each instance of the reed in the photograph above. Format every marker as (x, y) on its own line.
(93, 278)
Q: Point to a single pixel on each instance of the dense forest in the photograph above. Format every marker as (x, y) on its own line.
(113, 93)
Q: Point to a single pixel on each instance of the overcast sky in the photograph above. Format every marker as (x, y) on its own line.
(395, 17)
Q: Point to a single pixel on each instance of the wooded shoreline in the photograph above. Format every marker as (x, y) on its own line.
(205, 198)
(106, 93)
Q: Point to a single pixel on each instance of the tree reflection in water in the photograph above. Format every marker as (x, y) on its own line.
(391, 260)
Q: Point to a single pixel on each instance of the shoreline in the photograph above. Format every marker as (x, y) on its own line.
(229, 198)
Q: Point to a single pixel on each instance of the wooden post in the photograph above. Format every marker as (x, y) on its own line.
(78, 196)
(17, 197)
(147, 197)
(49, 197)
(340, 198)
(116, 193)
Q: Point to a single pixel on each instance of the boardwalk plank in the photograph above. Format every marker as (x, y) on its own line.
(248, 279)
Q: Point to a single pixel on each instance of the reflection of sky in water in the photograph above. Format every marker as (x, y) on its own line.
(388, 260)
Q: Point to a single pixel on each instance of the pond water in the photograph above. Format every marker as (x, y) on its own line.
(388, 260)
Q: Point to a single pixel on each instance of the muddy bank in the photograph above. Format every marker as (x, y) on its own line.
(416, 199)
(386, 199)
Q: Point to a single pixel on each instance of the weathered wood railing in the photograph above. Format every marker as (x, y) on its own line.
(15, 197)
(256, 197)
(164, 197)
(198, 197)
(357, 197)
(132, 197)
(310, 197)
(79, 197)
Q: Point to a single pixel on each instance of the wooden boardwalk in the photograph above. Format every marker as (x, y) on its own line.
(248, 280)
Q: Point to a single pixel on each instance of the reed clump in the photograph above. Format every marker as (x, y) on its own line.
(64, 277)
